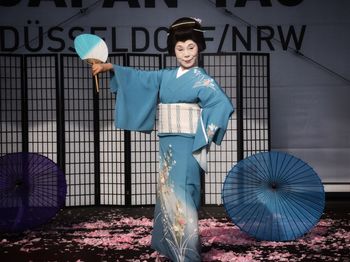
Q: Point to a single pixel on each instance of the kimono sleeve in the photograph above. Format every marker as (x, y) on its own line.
(136, 98)
(216, 112)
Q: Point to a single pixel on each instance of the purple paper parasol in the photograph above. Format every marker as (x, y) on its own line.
(32, 190)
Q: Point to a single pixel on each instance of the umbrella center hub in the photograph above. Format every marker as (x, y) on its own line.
(274, 185)
(19, 183)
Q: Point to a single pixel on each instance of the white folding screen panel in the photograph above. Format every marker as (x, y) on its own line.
(11, 103)
(41, 76)
(255, 103)
(111, 144)
(78, 132)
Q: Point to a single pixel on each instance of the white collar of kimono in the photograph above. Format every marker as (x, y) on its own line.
(181, 71)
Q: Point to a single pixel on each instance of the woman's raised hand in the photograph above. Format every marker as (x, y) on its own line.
(100, 68)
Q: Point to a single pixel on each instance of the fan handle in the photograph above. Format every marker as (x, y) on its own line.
(92, 61)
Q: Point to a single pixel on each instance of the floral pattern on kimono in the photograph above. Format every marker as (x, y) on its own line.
(173, 212)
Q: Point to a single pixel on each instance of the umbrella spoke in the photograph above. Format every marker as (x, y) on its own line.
(248, 215)
(239, 204)
(300, 202)
(296, 214)
(294, 173)
(244, 180)
(250, 172)
(280, 205)
(309, 197)
(289, 216)
(262, 166)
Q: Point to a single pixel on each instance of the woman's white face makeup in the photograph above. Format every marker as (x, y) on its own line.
(186, 53)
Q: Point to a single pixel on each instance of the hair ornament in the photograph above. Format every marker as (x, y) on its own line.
(183, 23)
(198, 30)
(198, 20)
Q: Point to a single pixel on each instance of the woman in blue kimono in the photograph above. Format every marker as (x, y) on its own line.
(193, 112)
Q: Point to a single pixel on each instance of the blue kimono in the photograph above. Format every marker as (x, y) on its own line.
(181, 154)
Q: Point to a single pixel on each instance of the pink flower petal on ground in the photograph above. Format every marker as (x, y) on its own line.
(222, 233)
(145, 241)
(226, 256)
(329, 240)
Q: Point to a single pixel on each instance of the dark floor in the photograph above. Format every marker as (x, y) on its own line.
(123, 234)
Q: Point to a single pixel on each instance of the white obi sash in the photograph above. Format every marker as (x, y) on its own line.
(178, 118)
(182, 118)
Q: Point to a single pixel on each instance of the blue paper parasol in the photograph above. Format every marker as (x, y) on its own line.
(32, 190)
(273, 196)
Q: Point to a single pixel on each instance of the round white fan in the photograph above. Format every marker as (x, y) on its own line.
(92, 49)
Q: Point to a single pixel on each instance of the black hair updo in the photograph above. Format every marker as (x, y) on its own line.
(183, 29)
